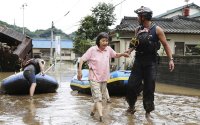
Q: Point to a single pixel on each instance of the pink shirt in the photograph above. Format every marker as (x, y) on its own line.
(98, 62)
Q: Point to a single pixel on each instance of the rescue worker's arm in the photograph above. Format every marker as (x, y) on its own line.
(42, 65)
(166, 46)
(79, 76)
(129, 50)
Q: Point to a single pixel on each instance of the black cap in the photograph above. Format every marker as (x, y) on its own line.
(144, 11)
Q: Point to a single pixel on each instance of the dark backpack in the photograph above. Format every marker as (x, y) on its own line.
(34, 63)
(146, 43)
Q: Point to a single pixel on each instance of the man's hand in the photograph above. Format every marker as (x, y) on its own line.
(171, 65)
(129, 50)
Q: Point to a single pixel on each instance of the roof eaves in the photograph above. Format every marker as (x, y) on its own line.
(175, 10)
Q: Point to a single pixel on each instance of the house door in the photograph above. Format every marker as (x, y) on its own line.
(179, 48)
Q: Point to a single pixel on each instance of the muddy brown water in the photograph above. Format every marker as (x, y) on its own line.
(175, 105)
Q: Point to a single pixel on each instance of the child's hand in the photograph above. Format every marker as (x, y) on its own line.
(125, 54)
(79, 76)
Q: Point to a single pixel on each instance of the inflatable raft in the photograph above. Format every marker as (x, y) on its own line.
(17, 84)
(116, 84)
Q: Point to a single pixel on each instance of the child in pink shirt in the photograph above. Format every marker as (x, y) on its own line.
(98, 58)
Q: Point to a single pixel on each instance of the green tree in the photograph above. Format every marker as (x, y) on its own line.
(104, 14)
(81, 46)
(102, 17)
(88, 27)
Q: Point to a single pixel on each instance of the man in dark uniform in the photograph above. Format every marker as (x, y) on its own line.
(146, 42)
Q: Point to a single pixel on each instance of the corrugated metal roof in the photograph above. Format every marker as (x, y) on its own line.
(177, 24)
(67, 44)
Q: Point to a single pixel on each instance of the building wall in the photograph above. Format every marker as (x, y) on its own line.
(186, 72)
(188, 39)
(121, 44)
(66, 54)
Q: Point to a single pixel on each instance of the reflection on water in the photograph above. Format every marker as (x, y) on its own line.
(68, 107)
(5, 74)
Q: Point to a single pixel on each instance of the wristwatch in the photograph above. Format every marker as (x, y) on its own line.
(171, 59)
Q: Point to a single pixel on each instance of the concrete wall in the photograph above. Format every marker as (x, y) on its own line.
(186, 72)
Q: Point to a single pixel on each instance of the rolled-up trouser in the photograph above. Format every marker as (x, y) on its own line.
(98, 90)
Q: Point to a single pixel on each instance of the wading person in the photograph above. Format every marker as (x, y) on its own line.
(98, 59)
(31, 68)
(146, 42)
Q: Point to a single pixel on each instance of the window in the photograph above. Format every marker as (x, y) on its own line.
(192, 49)
(179, 48)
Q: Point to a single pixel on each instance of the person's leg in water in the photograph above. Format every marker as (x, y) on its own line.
(108, 96)
(149, 89)
(134, 82)
(100, 110)
(105, 93)
(97, 98)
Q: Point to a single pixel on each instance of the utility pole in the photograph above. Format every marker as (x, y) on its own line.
(51, 49)
(23, 6)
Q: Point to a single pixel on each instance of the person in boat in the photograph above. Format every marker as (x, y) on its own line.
(146, 43)
(98, 58)
(31, 68)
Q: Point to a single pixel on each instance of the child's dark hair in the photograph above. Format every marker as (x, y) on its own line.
(100, 36)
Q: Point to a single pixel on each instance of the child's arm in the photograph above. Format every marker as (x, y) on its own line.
(122, 54)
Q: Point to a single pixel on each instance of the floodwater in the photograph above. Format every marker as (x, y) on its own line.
(67, 107)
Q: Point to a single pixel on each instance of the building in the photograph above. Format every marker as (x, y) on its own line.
(182, 33)
(190, 10)
(182, 30)
(15, 49)
(43, 48)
